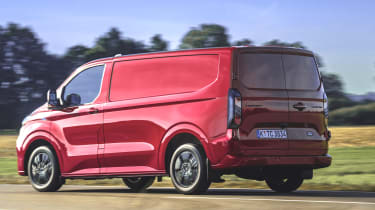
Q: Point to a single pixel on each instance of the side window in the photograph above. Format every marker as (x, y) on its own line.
(86, 84)
(261, 71)
(301, 72)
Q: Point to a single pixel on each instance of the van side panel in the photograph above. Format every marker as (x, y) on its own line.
(162, 76)
(150, 96)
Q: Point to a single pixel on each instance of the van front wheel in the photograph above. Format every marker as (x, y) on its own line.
(188, 170)
(43, 170)
(284, 184)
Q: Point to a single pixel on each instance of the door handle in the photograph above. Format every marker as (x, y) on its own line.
(93, 110)
(299, 106)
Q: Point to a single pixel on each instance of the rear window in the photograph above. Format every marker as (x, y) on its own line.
(262, 71)
(278, 71)
(301, 72)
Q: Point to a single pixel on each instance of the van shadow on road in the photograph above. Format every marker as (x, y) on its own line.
(235, 192)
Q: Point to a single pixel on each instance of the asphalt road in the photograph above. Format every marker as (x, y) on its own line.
(112, 197)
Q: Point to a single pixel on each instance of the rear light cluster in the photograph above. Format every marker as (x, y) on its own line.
(325, 112)
(234, 108)
(325, 109)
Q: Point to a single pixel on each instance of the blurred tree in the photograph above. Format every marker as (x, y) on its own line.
(27, 74)
(243, 42)
(158, 44)
(112, 43)
(276, 42)
(76, 55)
(334, 89)
(108, 45)
(7, 75)
(60, 68)
(340, 102)
(27, 70)
(363, 114)
(333, 85)
(206, 35)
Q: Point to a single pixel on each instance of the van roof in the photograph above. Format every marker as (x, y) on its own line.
(270, 48)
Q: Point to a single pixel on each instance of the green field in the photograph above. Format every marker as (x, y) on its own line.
(353, 166)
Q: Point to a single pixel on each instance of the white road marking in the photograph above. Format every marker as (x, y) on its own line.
(276, 200)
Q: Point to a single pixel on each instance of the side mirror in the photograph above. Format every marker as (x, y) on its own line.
(73, 100)
(52, 99)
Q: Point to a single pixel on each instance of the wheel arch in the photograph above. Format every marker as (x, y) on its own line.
(41, 138)
(178, 135)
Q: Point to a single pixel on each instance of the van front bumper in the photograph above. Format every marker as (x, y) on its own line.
(231, 161)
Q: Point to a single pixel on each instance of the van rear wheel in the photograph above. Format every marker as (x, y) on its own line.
(284, 184)
(138, 184)
(188, 170)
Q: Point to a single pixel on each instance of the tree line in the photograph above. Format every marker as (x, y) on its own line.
(27, 70)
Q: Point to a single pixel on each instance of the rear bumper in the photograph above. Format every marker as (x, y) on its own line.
(231, 161)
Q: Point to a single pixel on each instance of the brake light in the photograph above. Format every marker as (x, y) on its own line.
(325, 109)
(234, 108)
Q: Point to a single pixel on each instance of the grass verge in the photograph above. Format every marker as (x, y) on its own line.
(353, 166)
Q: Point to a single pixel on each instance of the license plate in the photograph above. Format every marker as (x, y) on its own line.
(271, 134)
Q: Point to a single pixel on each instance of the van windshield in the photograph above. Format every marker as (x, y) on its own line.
(278, 71)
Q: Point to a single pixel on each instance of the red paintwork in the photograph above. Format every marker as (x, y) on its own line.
(130, 137)
(311, 161)
(173, 81)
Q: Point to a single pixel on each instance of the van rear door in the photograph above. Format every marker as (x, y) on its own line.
(260, 79)
(306, 126)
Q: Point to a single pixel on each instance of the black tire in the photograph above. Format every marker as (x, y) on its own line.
(284, 184)
(138, 184)
(43, 170)
(188, 162)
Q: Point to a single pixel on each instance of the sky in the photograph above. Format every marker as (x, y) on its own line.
(341, 32)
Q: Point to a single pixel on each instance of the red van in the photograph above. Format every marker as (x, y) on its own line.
(194, 115)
